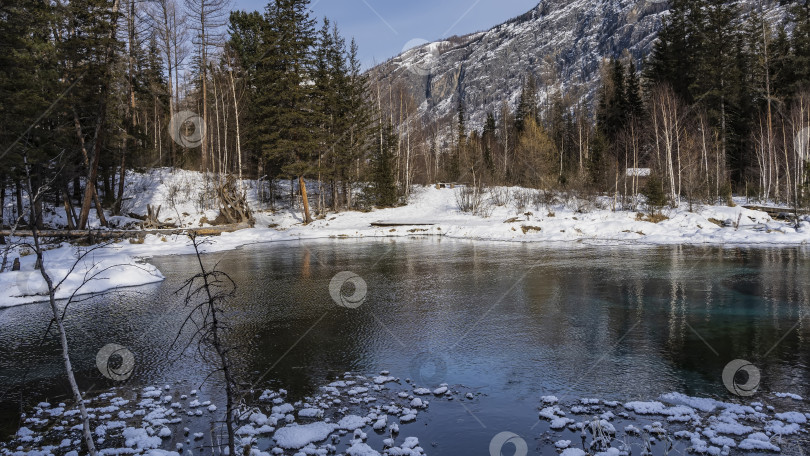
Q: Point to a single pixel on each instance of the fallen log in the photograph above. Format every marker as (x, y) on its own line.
(776, 211)
(126, 234)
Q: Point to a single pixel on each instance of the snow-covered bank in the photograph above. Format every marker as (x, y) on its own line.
(557, 219)
(75, 271)
(430, 211)
(375, 415)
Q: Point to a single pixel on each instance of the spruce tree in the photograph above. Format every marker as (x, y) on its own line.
(612, 108)
(672, 59)
(527, 106)
(359, 118)
(488, 138)
(800, 14)
(382, 190)
(635, 105)
(284, 119)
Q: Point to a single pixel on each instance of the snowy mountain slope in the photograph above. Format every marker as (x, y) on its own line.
(561, 42)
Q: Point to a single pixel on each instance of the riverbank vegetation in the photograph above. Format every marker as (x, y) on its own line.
(96, 88)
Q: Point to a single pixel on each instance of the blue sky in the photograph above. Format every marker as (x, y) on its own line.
(383, 27)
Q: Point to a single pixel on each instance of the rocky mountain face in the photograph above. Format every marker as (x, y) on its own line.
(561, 42)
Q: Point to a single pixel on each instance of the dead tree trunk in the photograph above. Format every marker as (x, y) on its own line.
(58, 318)
(69, 215)
(302, 184)
(18, 194)
(205, 293)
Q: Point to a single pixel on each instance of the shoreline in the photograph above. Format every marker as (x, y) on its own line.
(564, 223)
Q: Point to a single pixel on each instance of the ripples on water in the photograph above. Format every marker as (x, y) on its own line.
(511, 321)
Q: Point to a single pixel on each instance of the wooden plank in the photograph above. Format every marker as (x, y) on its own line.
(775, 210)
(391, 224)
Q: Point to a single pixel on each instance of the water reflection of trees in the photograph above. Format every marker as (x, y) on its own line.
(697, 308)
(547, 316)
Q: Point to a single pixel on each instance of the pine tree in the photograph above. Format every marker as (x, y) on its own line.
(527, 106)
(612, 111)
(359, 118)
(635, 105)
(284, 120)
(382, 190)
(672, 59)
(782, 70)
(800, 15)
(720, 85)
(28, 76)
(461, 128)
(488, 137)
(87, 51)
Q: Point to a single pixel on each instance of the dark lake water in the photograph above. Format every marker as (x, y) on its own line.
(510, 321)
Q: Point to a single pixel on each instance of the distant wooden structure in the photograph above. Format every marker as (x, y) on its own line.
(639, 172)
(640, 175)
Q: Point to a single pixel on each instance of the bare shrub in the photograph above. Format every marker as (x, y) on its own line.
(583, 202)
(473, 200)
(500, 196)
(521, 199)
(545, 199)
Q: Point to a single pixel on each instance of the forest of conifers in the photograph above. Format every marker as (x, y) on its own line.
(90, 89)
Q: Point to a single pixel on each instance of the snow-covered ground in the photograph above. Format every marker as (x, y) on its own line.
(74, 271)
(430, 211)
(341, 417)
